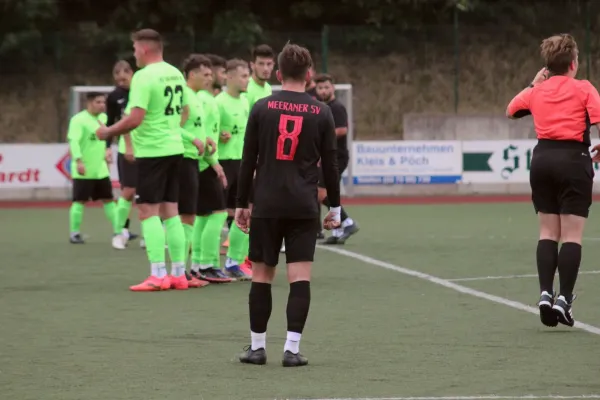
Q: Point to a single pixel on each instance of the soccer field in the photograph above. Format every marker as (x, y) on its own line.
(433, 301)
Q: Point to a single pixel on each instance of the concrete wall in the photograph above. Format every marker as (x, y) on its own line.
(464, 127)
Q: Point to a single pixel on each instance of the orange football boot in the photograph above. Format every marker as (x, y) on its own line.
(152, 284)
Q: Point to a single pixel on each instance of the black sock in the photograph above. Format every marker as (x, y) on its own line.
(127, 224)
(260, 303)
(229, 221)
(569, 259)
(297, 306)
(547, 262)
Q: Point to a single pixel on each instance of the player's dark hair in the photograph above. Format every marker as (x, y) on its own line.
(216, 61)
(558, 52)
(122, 65)
(234, 64)
(294, 62)
(195, 61)
(263, 51)
(91, 96)
(321, 78)
(147, 35)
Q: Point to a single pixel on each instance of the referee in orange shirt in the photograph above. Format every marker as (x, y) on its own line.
(561, 176)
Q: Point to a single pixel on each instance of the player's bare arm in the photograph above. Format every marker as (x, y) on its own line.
(341, 131)
(127, 124)
(128, 147)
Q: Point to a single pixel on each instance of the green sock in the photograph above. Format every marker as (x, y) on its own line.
(75, 217)
(188, 230)
(175, 239)
(197, 232)
(211, 240)
(238, 244)
(110, 209)
(122, 213)
(154, 235)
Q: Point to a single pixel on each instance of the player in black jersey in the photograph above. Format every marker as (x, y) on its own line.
(326, 93)
(287, 133)
(115, 106)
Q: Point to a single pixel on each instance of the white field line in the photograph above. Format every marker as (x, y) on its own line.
(450, 285)
(484, 397)
(489, 278)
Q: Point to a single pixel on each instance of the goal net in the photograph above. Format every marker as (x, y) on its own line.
(343, 93)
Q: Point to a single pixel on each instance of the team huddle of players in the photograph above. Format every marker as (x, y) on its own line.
(211, 107)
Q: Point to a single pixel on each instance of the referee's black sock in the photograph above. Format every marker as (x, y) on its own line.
(297, 306)
(127, 224)
(260, 303)
(343, 214)
(229, 221)
(547, 262)
(569, 259)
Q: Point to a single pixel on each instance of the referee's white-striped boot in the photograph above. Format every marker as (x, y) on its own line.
(547, 314)
(564, 310)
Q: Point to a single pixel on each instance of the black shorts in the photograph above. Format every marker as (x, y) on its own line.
(267, 234)
(342, 165)
(561, 180)
(188, 186)
(92, 189)
(232, 172)
(128, 172)
(211, 197)
(158, 179)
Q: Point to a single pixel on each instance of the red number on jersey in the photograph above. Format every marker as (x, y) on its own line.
(285, 135)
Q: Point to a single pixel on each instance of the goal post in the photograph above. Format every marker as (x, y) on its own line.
(343, 93)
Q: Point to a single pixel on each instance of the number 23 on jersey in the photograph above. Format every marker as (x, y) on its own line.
(174, 93)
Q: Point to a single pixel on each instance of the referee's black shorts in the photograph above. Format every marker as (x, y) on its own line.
(128, 172)
(211, 197)
(232, 172)
(158, 179)
(188, 186)
(561, 178)
(342, 165)
(267, 234)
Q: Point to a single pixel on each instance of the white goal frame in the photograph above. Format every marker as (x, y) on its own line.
(345, 96)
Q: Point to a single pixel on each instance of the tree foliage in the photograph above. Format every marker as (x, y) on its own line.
(25, 25)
